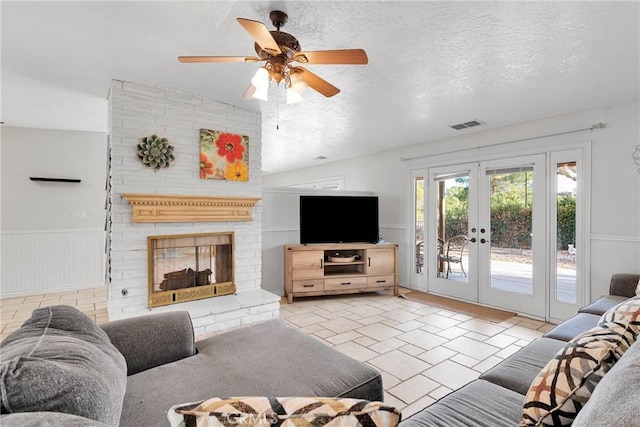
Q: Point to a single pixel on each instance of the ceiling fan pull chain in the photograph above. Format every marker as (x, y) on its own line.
(277, 111)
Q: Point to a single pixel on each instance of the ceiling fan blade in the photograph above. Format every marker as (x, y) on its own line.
(316, 82)
(342, 56)
(249, 92)
(218, 59)
(261, 35)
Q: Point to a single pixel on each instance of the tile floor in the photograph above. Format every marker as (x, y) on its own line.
(14, 311)
(423, 352)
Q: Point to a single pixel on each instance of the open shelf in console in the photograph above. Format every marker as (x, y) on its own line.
(349, 262)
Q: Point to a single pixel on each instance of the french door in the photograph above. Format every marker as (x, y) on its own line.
(486, 239)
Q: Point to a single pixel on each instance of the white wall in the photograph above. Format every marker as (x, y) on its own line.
(52, 233)
(30, 205)
(615, 189)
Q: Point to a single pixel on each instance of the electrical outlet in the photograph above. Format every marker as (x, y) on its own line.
(78, 214)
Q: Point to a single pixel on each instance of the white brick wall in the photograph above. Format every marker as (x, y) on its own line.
(137, 111)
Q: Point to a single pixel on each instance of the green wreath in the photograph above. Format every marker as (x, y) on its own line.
(155, 152)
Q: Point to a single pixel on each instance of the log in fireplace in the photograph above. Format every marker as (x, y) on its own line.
(189, 267)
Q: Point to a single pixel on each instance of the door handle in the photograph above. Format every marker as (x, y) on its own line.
(345, 283)
(483, 241)
(472, 240)
(321, 263)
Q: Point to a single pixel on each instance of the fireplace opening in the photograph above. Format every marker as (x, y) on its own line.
(188, 267)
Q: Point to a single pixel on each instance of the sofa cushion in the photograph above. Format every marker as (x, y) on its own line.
(626, 312)
(267, 359)
(61, 361)
(602, 304)
(138, 340)
(479, 404)
(624, 284)
(298, 411)
(615, 401)
(573, 326)
(518, 370)
(565, 384)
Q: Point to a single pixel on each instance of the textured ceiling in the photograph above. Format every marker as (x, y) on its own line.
(431, 64)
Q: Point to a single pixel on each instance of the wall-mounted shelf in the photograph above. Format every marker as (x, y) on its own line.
(34, 178)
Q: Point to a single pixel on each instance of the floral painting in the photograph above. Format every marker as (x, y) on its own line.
(224, 155)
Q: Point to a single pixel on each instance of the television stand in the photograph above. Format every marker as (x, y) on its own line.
(339, 268)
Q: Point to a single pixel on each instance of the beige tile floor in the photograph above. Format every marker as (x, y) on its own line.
(14, 311)
(423, 352)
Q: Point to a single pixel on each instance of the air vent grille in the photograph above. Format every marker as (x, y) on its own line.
(466, 125)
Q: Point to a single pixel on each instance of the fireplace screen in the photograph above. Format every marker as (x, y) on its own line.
(189, 267)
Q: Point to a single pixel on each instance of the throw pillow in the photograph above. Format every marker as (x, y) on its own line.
(626, 312)
(638, 288)
(615, 401)
(61, 361)
(565, 384)
(286, 411)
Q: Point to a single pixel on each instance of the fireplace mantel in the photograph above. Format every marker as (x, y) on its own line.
(181, 208)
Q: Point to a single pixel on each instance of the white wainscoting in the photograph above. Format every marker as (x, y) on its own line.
(49, 261)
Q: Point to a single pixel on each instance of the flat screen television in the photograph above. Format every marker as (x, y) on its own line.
(338, 219)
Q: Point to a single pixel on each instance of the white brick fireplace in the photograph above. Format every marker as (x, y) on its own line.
(138, 111)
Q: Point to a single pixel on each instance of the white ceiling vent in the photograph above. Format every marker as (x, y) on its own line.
(466, 125)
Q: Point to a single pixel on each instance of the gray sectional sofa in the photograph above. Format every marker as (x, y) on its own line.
(496, 398)
(59, 369)
(153, 362)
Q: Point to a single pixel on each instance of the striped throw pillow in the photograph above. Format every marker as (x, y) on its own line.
(262, 411)
(565, 384)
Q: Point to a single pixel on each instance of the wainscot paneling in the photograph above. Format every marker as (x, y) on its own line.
(51, 261)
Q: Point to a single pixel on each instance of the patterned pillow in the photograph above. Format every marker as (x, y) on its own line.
(626, 312)
(563, 387)
(638, 288)
(285, 411)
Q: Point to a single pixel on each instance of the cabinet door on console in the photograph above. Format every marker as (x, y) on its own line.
(307, 264)
(380, 261)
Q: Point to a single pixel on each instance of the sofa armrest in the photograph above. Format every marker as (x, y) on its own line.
(152, 340)
(623, 284)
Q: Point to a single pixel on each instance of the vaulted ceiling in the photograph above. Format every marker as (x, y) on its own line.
(431, 64)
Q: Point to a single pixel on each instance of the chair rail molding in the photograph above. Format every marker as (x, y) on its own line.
(187, 208)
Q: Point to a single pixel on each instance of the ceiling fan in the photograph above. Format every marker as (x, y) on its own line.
(279, 50)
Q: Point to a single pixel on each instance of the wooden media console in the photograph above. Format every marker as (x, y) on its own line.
(340, 268)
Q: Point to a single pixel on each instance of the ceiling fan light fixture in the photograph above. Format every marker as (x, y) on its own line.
(261, 93)
(261, 79)
(297, 83)
(293, 96)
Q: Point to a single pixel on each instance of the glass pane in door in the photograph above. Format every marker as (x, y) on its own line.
(566, 192)
(511, 214)
(452, 208)
(418, 191)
